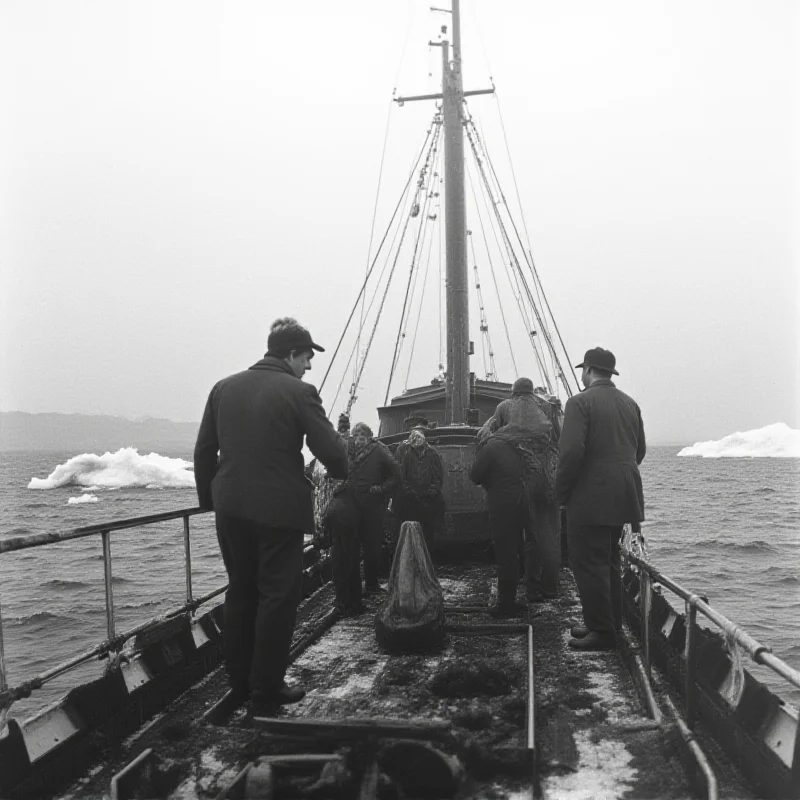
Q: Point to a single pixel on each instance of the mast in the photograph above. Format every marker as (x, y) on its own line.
(452, 97)
(455, 229)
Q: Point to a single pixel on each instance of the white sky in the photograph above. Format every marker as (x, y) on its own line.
(175, 175)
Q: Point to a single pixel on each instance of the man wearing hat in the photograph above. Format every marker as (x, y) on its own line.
(602, 443)
(522, 409)
(248, 466)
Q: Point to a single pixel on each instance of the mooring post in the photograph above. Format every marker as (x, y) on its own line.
(690, 664)
(109, 589)
(187, 549)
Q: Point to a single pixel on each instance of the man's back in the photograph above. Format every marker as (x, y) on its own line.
(257, 419)
(601, 445)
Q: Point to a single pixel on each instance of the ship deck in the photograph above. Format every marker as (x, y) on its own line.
(593, 737)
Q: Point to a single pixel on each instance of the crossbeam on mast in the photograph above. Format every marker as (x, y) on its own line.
(411, 98)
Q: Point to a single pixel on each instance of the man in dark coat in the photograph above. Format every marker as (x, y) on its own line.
(356, 515)
(602, 443)
(419, 496)
(510, 466)
(248, 466)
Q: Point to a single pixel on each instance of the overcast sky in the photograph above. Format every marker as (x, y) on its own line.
(175, 175)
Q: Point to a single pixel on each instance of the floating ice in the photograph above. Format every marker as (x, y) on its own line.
(84, 498)
(123, 469)
(772, 441)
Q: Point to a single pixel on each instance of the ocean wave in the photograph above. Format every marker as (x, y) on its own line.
(766, 490)
(84, 498)
(771, 441)
(19, 531)
(36, 617)
(123, 469)
(61, 582)
(135, 606)
(755, 546)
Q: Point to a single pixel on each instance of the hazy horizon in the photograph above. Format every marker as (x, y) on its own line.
(176, 176)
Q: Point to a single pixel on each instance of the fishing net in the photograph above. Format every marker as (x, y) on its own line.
(411, 619)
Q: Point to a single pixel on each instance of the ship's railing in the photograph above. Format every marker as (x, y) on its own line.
(694, 603)
(114, 641)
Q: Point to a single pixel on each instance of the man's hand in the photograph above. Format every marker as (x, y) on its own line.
(375, 489)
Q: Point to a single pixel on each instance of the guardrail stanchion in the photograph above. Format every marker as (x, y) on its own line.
(3, 680)
(645, 589)
(187, 548)
(109, 589)
(690, 663)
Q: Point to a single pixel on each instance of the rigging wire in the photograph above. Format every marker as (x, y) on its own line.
(413, 271)
(422, 295)
(409, 217)
(491, 269)
(511, 274)
(542, 320)
(486, 340)
(375, 213)
(470, 129)
(354, 350)
(528, 257)
(374, 261)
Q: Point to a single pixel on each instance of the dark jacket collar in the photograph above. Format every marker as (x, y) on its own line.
(603, 382)
(274, 364)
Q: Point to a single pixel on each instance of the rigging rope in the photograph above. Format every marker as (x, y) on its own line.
(472, 136)
(528, 257)
(421, 299)
(401, 331)
(375, 210)
(491, 269)
(409, 217)
(374, 261)
(486, 340)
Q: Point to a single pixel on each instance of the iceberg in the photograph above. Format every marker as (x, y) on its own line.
(84, 498)
(772, 441)
(124, 469)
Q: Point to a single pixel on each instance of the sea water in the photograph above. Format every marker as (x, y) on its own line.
(726, 528)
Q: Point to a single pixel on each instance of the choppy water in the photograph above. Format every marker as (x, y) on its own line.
(726, 528)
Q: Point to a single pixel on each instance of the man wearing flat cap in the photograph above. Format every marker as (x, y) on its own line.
(601, 446)
(248, 467)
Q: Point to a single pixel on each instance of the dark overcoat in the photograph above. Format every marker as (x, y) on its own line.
(256, 420)
(602, 443)
(499, 469)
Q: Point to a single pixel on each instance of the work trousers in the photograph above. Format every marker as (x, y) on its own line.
(594, 558)
(514, 527)
(359, 530)
(428, 511)
(265, 585)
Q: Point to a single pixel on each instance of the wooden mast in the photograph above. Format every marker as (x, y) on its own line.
(455, 229)
(456, 291)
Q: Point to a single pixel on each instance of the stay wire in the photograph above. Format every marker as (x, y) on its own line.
(375, 208)
(422, 298)
(401, 331)
(374, 261)
(491, 269)
(472, 137)
(528, 257)
(376, 290)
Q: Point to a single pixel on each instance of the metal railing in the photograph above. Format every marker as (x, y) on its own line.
(694, 603)
(114, 641)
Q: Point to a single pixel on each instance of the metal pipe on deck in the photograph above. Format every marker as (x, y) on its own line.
(758, 652)
(699, 755)
(39, 539)
(100, 650)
